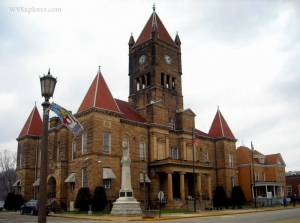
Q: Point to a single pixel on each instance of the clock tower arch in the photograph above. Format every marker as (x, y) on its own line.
(155, 70)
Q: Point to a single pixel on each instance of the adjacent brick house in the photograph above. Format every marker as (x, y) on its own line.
(269, 174)
(155, 124)
(293, 183)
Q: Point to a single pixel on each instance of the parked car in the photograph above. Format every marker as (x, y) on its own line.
(32, 207)
(1, 205)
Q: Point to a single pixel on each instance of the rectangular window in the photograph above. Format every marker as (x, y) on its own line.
(106, 183)
(72, 187)
(106, 142)
(57, 154)
(230, 160)
(232, 182)
(21, 158)
(206, 159)
(264, 176)
(73, 150)
(174, 153)
(142, 151)
(289, 191)
(256, 175)
(84, 143)
(84, 177)
(298, 190)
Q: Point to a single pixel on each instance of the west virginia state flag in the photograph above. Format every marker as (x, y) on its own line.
(67, 119)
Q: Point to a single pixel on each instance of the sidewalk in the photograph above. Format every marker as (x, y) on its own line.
(118, 218)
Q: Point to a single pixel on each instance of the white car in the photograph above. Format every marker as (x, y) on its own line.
(1, 205)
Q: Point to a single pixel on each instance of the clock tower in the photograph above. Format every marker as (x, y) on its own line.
(155, 71)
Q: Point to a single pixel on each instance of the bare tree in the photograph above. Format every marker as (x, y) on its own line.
(8, 161)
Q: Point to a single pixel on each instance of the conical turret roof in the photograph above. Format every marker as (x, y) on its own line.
(154, 24)
(33, 125)
(219, 127)
(99, 96)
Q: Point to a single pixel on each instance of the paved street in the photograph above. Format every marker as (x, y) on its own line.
(290, 215)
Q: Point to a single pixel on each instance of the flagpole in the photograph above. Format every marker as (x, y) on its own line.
(253, 175)
(193, 135)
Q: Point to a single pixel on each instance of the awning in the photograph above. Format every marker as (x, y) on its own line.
(108, 174)
(71, 178)
(147, 180)
(36, 183)
(17, 183)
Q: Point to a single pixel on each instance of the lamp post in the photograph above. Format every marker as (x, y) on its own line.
(144, 175)
(252, 148)
(48, 83)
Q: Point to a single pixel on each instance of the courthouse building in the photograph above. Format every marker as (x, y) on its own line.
(155, 124)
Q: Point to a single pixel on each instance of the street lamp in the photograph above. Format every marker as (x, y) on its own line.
(48, 83)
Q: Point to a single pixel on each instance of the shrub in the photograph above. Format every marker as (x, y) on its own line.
(18, 201)
(100, 199)
(9, 201)
(83, 199)
(220, 198)
(238, 196)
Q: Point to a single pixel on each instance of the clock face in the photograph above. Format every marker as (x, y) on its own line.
(142, 59)
(168, 59)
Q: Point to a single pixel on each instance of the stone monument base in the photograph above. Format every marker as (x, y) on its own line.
(126, 207)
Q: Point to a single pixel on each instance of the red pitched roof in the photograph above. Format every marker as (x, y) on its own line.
(99, 96)
(198, 132)
(219, 127)
(33, 125)
(129, 113)
(154, 24)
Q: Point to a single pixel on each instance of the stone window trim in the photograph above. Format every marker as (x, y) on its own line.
(171, 123)
(84, 143)
(206, 157)
(84, 177)
(73, 150)
(106, 142)
(230, 160)
(174, 153)
(142, 146)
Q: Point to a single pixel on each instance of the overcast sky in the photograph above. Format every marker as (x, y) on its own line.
(243, 56)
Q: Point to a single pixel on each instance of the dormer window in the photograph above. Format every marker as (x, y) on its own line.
(171, 123)
(262, 160)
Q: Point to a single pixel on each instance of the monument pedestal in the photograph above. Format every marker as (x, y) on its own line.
(126, 204)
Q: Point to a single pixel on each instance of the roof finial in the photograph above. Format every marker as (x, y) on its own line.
(49, 71)
(218, 108)
(153, 7)
(99, 71)
(177, 33)
(131, 34)
(35, 104)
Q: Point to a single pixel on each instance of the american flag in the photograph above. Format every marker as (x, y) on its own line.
(195, 140)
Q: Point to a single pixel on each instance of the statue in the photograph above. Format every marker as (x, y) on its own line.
(126, 203)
